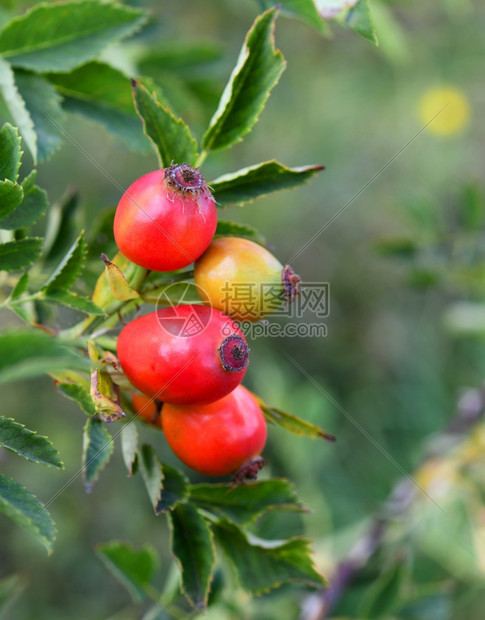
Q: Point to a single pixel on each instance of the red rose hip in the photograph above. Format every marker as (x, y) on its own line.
(166, 219)
(222, 438)
(185, 355)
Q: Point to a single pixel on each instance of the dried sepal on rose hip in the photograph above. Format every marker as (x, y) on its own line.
(223, 438)
(166, 218)
(244, 280)
(188, 354)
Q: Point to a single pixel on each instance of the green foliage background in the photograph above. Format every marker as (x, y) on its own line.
(390, 359)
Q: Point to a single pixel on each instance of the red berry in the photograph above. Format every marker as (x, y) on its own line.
(184, 355)
(166, 219)
(220, 438)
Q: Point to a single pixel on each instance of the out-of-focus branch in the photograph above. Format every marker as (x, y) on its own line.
(470, 411)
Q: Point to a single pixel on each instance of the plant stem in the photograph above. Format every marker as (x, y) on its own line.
(201, 159)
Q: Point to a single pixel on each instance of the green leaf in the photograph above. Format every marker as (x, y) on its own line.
(129, 446)
(193, 549)
(19, 254)
(33, 206)
(398, 247)
(250, 183)
(102, 93)
(382, 597)
(170, 137)
(72, 300)
(233, 229)
(359, 19)
(11, 195)
(178, 56)
(170, 294)
(36, 448)
(16, 106)
(21, 286)
(44, 106)
(134, 568)
(97, 449)
(80, 395)
(293, 423)
(244, 504)
(10, 588)
(26, 511)
(69, 269)
(305, 10)
(32, 352)
(166, 486)
(257, 71)
(60, 37)
(120, 288)
(10, 152)
(61, 226)
(263, 565)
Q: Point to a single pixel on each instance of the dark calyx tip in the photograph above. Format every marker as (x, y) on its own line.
(248, 471)
(134, 83)
(183, 178)
(105, 259)
(291, 283)
(234, 353)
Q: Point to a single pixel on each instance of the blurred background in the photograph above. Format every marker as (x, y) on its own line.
(405, 262)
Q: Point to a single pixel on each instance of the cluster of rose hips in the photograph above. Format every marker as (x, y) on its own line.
(188, 360)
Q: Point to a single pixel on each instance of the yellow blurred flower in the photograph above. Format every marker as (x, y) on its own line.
(450, 120)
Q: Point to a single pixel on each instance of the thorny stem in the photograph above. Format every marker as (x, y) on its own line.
(470, 411)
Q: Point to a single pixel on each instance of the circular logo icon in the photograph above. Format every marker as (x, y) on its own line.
(180, 311)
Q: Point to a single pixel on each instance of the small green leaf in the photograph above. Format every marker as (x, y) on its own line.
(305, 10)
(97, 449)
(244, 504)
(176, 56)
(61, 226)
(10, 152)
(102, 94)
(36, 448)
(257, 71)
(21, 286)
(293, 423)
(134, 568)
(171, 137)
(26, 511)
(359, 19)
(11, 195)
(33, 206)
(16, 106)
(233, 229)
(44, 106)
(193, 549)
(69, 269)
(250, 183)
(60, 37)
(120, 288)
(80, 395)
(399, 247)
(10, 588)
(382, 597)
(133, 274)
(262, 565)
(18, 254)
(166, 486)
(129, 445)
(72, 300)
